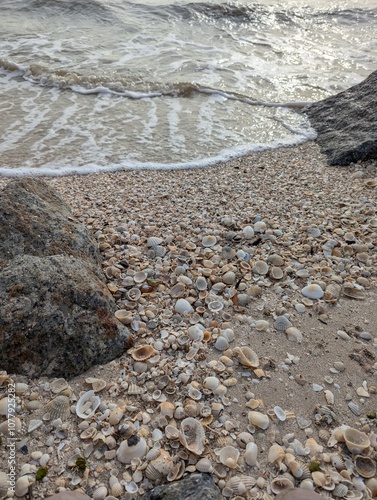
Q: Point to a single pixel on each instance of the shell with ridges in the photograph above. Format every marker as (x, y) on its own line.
(235, 481)
(57, 408)
(281, 483)
(281, 323)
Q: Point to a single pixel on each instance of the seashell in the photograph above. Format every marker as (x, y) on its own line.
(209, 241)
(228, 333)
(324, 435)
(294, 334)
(260, 267)
(196, 332)
(313, 292)
(246, 356)
(96, 383)
(143, 352)
(171, 432)
(204, 465)
(229, 456)
(58, 385)
(356, 441)
(251, 454)
(353, 292)
(329, 396)
(116, 490)
(354, 408)
(282, 323)
(221, 344)
(100, 493)
(319, 478)
(134, 294)
(371, 484)
(154, 241)
(4, 485)
(58, 407)
(275, 260)
(160, 466)
(261, 325)
(276, 454)
(22, 485)
(134, 390)
(234, 483)
(338, 462)
(124, 316)
(177, 471)
(191, 409)
(260, 226)
(332, 293)
(215, 306)
(211, 383)
(116, 416)
(314, 447)
(131, 487)
(140, 276)
(258, 419)
(183, 306)
(280, 413)
(192, 435)
(340, 490)
(167, 409)
(194, 393)
(276, 273)
(133, 447)
(365, 466)
(201, 283)
(87, 404)
(178, 290)
(280, 483)
(248, 231)
(363, 393)
(88, 433)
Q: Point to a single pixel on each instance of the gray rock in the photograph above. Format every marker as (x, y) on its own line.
(56, 318)
(346, 123)
(193, 487)
(35, 221)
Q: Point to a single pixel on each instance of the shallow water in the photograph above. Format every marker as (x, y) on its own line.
(90, 85)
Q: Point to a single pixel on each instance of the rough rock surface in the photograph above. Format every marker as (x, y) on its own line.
(56, 318)
(193, 487)
(346, 123)
(35, 221)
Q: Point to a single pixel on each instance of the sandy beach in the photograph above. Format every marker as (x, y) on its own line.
(256, 231)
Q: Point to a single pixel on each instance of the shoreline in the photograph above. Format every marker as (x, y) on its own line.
(322, 222)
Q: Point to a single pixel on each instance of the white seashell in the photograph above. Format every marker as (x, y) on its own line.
(329, 397)
(260, 267)
(356, 441)
(100, 493)
(246, 356)
(204, 465)
(276, 273)
(365, 466)
(354, 408)
(229, 456)
(133, 447)
(248, 231)
(211, 383)
(228, 333)
(314, 447)
(294, 334)
(134, 294)
(192, 435)
(260, 227)
(154, 241)
(262, 325)
(221, 344)
(22, 485)
(116, 490)
(234, 483)
(209, 241)
(281, 483)
(251, 454)
(258, 419)
(87, 405)
(276, 454)
(34, 424)
(313, 291)
(194, 393)
(116, 416)
(140, 276)
(124, 316)
(280, 413)
(96, 383)
(201, 283)
(132, 487)
(182, 306)
(196, 332)
(160, 466)
(215, 306)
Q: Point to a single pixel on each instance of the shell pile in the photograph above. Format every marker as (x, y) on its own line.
(233, 370)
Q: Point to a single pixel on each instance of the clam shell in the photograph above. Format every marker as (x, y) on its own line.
(229, 456)
(134, 294)
(209, 241)
(294, 334)
(276, 273)
(281, 323)
(312, 291)
(131, 487)
(178, 290)
(183, 306)
(154, 241)
(87, 405)
(211, 383)
(192, 435)
(276, 454)
(204, 465)
(215, 306)
(116, 490)
(251, 454)
(140, 276)
(124, 316)
(171, 432)
(235, 481)
(161, 466)
(275, 260)
(365, 466)
(246, 356)
(221, 344)
(143, 352)
(354, 408)
(356, 441)
(133, 447)
(353, 292)
(260, 267)
(280, 413)
(177, 471)
(258, 419)
(281, 483)
(88, 433)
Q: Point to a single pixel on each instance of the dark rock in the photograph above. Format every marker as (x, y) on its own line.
(193, 487)
(35, 221)
(56, 318)
(346, 123)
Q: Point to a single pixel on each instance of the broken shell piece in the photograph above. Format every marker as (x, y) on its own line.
(276, 454)
(133, 447)
(124, 316)
(143, 352)
(229, 456)
(356, 441)
(365, 466)
(192, 435)
(258, 419)
(246, 356)
(87, 404)
(96, 383)
(160, 466)
(204, 465)
(58, 385)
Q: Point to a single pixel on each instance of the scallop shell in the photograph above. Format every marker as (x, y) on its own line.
(356, 441)
(365, 466)
(353, 292)
(275, 260)
(246, 356)
(281, 323)
(229, 456)
(57, 408)
(324, 435)
(258, 419)
(235, 482)
(97, 383)
(154, 241)
(209, 241)
(281, 483)
(354, 408)
(116, 490)
(100, 493)
(133, 447)
(143, 352)
(192, 435)
(260, 267)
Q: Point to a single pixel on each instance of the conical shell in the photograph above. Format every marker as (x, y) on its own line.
(192, 435)
(246, 356)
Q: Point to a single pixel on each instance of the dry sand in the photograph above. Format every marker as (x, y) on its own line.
(304, 204)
